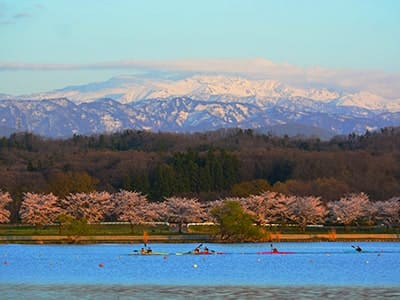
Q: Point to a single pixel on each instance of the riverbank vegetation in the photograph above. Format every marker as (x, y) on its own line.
(233, 219)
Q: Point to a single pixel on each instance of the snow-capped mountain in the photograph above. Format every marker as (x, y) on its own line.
(126, 89)
(196, 103)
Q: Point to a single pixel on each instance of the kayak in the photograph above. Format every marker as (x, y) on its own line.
(135, 252)
(199, 253)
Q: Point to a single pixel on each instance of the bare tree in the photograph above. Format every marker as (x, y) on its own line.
(5, 199)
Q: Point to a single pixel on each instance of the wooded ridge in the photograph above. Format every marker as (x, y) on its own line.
(207, 166)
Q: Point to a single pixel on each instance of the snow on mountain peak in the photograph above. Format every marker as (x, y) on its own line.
(222, 88)
(369, 101)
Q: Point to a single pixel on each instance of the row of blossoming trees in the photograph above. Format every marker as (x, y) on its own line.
(266, 208)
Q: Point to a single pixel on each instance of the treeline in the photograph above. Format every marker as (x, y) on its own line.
(208, 166)
(263, 209)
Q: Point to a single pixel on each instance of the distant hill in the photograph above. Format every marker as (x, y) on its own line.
(64, 118)
(300, 130)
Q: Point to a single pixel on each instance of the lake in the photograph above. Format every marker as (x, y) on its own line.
(108, 271)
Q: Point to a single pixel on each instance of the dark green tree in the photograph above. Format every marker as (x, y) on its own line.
(164, 182)
(234, 223)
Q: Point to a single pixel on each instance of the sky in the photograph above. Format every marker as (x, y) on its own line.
(49, 44)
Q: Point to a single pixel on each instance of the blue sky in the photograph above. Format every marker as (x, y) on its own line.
(74, 40)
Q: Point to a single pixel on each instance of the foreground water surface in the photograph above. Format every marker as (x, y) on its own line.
(108, 271)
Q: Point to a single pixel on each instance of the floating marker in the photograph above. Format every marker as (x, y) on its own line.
(195, 266)
(101, 265)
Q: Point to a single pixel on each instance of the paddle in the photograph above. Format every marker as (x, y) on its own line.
(198, 247)
(133, 252)
(189, 252)
(145, 238)
(194, 251)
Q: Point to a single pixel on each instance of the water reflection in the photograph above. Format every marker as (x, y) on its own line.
(192, 292)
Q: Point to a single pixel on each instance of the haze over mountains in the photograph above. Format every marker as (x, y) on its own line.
(197, 103)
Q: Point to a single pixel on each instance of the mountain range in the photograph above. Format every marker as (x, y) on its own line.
(188, 103)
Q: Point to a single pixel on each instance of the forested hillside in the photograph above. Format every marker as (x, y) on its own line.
(208, 165)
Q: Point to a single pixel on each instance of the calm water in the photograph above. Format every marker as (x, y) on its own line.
(107, 271)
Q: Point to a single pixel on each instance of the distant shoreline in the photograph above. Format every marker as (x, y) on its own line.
(189, 238)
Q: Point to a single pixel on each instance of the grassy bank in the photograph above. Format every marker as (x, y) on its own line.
(126, 233)
(185, 238)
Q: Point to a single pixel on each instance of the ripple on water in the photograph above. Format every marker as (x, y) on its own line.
(24, 291)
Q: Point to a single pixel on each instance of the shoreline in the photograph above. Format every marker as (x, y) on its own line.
(138, 239)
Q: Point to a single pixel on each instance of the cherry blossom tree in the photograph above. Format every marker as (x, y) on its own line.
(133, 207)
(39, 209)
(93, 207)
(389, 211)
(209, 206)
(5, 199)
(182, 211)
(268, 207)
(307, 210)
(370, 213)
(349, 209)
(255, 205)
(278, 207)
